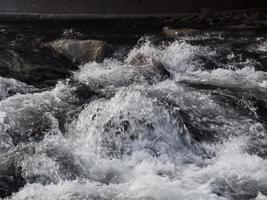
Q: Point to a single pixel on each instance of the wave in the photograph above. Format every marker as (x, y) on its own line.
(159, 124)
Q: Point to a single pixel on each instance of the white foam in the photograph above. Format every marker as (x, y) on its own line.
(245, 78)
(142, 180)
(19, 113)
(261, 197)
(130, 146)
(262, 47)
(141, 175)
(177, 56)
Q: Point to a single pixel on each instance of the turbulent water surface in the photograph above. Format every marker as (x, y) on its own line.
(182, 118)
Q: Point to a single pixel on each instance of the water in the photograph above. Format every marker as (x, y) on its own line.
(162, 118)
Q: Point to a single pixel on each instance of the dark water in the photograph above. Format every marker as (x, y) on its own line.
(160, 118)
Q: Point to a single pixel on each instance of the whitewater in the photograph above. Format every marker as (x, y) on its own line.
(166, 119)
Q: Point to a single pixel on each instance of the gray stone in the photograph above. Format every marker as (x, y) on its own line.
(173, 32)
(81, 51)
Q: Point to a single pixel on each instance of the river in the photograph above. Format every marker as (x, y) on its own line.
(159, 119)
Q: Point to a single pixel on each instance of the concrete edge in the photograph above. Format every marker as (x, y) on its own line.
(17, 16)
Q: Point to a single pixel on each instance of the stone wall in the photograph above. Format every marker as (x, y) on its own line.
(132, 6)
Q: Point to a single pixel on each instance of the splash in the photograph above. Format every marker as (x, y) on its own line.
(171, 120)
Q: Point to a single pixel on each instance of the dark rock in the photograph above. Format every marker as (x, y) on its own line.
(81, 51)
(42, 68)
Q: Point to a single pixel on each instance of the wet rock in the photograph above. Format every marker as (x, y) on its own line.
(39, 68)
(86, 94)
(153, 73)
(81, 51)
(173, 32)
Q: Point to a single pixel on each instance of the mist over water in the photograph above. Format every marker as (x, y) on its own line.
(164, 119)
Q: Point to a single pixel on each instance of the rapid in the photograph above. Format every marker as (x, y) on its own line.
(159, 119)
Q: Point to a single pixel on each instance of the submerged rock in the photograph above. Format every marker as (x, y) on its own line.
(139, 60)
(11, 179)
(42, 164)
(81, 51)
(68, 167)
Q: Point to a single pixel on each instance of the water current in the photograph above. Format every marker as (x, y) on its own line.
(159, 119)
